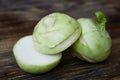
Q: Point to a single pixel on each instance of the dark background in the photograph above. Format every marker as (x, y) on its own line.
(18, 18)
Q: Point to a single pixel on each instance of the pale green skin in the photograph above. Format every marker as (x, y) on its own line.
(94, 44)
(33, 67)
(55, 33)
(37, 69)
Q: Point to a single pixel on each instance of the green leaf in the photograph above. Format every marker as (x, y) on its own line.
(101, 20)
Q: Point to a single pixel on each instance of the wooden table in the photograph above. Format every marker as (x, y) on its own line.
(18, 18)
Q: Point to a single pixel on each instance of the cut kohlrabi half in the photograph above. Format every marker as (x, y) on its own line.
(32, 61)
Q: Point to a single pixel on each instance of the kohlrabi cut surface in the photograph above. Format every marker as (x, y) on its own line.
(55, 33)
(94, 44)
(32, 61)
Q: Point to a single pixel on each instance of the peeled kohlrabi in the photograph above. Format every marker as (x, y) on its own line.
(32, 61)
(55, 33)
(94, 44)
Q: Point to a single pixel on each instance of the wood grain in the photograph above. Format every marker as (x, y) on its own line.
(18, 18)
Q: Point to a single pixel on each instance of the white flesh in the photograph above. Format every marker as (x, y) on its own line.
(25, 52)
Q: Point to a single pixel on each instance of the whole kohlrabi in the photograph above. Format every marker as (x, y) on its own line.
(94, 44)
(55, 33)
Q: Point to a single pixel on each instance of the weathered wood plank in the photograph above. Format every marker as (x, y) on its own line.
(69, 68)
(18, 18)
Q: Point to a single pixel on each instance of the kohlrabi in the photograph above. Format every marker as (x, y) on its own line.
(94, 44)
(55, 33)
(41, 51)
(32, 61)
